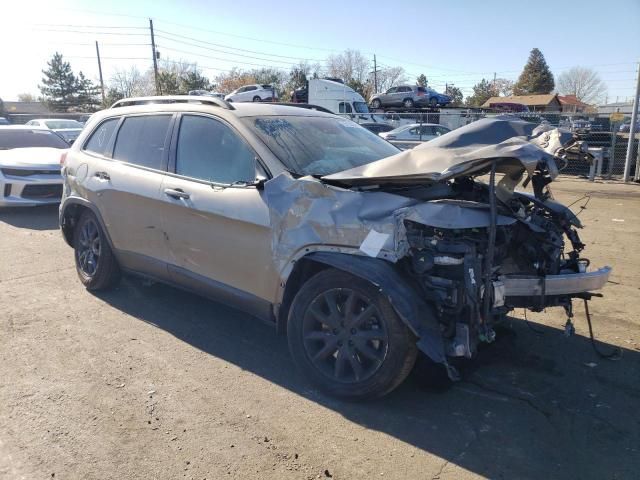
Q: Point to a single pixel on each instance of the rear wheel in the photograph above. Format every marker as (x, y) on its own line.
(376, 103)
(433, 101)
(346, 337)
(95, 263)
(256, 98)
(407, 103)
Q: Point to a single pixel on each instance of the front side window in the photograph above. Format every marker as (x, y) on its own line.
(361, 107)
(251, 88)
(319, 145)
(344, 107)
(210, 150)
(101, 136)
(141, 140)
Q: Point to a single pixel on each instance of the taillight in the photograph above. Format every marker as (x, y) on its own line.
(421, 94)
(63, 158)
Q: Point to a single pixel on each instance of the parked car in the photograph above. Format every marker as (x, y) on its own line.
(416, 132)
(4, 121)
(67, 129)
(626, 127)
(576, 125)
(362, 254)
(377, 127)
(409, 96)
(206, 93)
(30, 166)
(253, 93)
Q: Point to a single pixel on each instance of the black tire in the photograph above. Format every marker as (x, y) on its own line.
(376, 103)
(354, 346)
(407, 103)
(433, 101)
(257, 99)
(95, 263)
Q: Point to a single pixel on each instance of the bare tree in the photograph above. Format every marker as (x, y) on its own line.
(584, 83)
(390, 77)
(503, 87)
(131, 83)
(26, 97)
(349, 65)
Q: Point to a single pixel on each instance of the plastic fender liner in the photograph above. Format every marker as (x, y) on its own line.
(412, 309)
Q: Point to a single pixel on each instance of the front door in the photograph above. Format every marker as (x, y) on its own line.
(217, 225)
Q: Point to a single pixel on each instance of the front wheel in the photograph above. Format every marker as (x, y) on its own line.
(433, 101)
(347, 338)
(95, 263)
(376, 103)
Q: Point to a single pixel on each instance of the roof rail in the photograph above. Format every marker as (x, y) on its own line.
(308, 106)
(129, 102)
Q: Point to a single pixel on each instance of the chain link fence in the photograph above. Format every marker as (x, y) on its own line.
(605, 140)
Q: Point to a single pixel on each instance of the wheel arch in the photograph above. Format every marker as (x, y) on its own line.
(413, 310)
(70, 212)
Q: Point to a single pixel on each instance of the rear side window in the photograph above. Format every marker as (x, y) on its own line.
(210, 150)
(101, 136)
(141, 140)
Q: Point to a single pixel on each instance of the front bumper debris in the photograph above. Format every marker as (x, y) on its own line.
(565, 284)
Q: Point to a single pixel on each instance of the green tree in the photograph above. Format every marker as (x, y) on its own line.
(422, 80)
(536, 78)
(194, 80)
(456, 95)
(59, 85)
(482, 92)
(112, 96)
(168, 82)
(87, 97)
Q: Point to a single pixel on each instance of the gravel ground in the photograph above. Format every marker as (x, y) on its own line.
(148, 382)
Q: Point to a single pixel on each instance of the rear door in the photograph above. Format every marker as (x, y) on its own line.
(218, 227)
(125, 180)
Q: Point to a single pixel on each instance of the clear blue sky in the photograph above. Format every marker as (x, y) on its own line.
(458, 42)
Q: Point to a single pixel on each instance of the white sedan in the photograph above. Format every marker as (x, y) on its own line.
(253, 93)
(30, 160)
(415, 132)
(67, 129)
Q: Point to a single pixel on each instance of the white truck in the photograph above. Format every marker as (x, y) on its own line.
(333, 95)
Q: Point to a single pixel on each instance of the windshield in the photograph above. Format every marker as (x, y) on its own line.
(361, 107)
(59, 124)
(319, 145)
(10, 138)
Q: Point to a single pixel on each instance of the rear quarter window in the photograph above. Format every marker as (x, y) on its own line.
(101, 137)
(141, 140)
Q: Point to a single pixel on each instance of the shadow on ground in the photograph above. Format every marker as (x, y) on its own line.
(34, 218)
(533, 405)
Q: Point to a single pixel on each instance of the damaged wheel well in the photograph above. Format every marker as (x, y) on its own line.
(413, 310)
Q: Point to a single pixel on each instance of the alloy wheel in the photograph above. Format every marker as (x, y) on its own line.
(344, 335)
(89, 249)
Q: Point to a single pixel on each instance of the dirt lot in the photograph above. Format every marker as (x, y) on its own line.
(150, 382)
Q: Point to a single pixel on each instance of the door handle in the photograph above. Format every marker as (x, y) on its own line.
(176, 193)
(102, 175)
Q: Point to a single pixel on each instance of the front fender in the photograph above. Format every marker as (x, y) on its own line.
(412, 309)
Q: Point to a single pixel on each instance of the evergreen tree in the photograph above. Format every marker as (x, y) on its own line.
(87, 94)
(536, 78)
(482, 92)
(456, 95)
(59, 85)
(422, 80)
(193, 80)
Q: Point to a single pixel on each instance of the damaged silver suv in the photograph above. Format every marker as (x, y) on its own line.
(363, 255)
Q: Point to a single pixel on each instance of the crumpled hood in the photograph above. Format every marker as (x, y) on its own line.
(468, 150)
(31, 157)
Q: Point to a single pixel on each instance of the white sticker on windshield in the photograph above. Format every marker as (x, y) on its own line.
(373, 243)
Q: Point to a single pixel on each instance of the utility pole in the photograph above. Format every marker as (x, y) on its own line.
(375, 74)
(100, 71)
(494, 82)
(155, 57)
(632, 129)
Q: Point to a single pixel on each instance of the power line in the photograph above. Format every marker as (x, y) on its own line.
(229, 47)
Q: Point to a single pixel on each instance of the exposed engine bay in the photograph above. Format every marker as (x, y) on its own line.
(470, 245)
